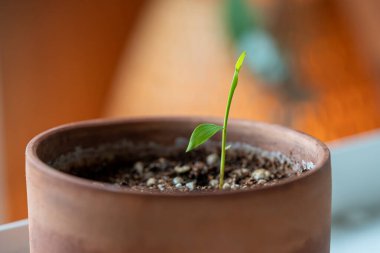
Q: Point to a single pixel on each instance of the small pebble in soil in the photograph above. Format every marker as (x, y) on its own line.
(161, 187)
(177, 180)
(244, 171)
(182, 169)
(214, 183)
(261, 181)
(139, 167)
(151, 181)
(308, 165)
(260, 174)
(226, 186)
(234, 186)
(190, 185)
(212, 159)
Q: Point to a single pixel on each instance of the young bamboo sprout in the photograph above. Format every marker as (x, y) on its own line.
(205, 131)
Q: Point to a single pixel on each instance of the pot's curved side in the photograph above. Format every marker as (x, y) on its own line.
(66, 214)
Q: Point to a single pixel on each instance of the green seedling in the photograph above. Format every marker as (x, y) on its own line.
(205, 131)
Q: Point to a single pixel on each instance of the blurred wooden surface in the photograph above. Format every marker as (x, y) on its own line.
(347, 98)
(58, 59)
(180, 62)
(364, 20)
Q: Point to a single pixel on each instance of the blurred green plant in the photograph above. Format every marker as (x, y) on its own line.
(205, 131)
(246, 25)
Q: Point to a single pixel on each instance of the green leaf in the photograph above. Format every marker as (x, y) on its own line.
(240, 61)
(201, 134)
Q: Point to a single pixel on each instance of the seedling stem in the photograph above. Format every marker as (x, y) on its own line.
(205, 131)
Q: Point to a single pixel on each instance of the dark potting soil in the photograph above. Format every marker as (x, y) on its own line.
(153, 167)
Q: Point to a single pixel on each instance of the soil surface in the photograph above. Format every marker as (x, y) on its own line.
(149, 166)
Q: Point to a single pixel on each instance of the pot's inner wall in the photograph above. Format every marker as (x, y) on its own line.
(268, 137)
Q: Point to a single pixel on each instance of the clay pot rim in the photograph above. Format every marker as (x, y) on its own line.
(42, 167)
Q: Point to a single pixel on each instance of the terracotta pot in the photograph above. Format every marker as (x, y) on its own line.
(71, 214)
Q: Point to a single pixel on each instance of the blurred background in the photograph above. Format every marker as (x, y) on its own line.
(313, 65)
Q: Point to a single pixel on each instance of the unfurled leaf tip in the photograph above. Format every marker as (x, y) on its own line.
(240, 61)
